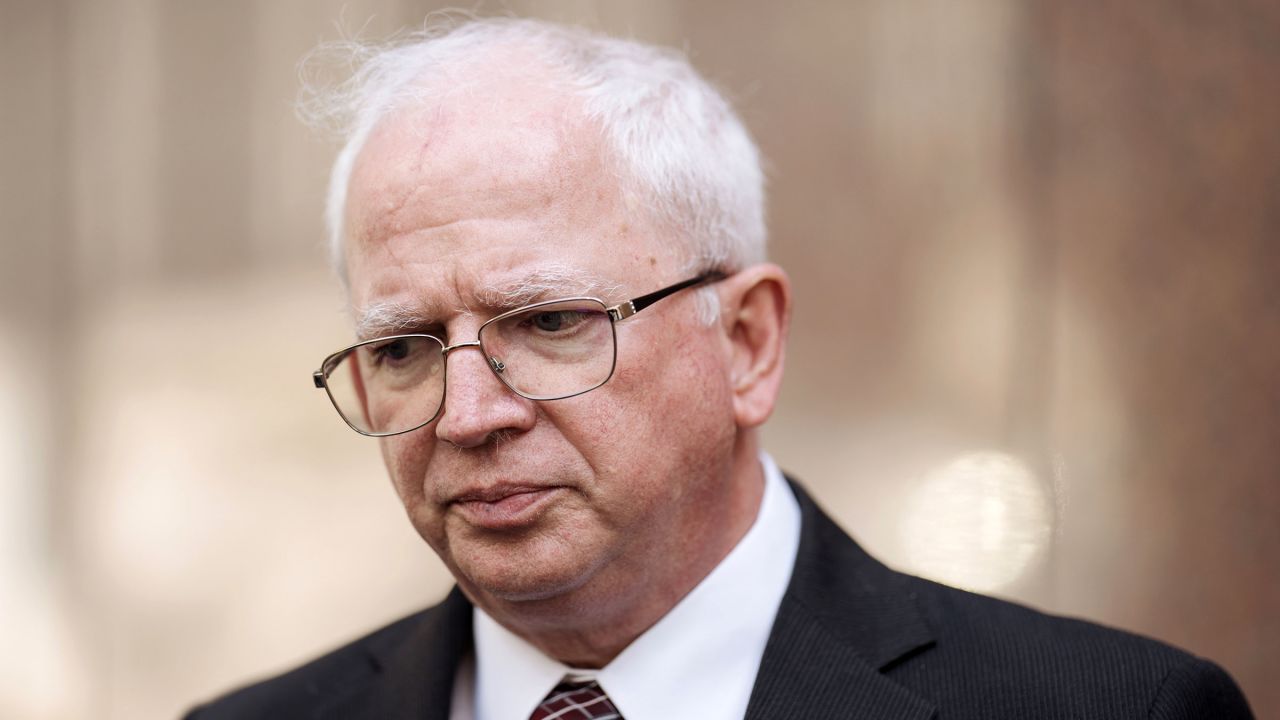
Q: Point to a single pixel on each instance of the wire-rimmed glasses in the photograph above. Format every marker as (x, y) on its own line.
(549, 350)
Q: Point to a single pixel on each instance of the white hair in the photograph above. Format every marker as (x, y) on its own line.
(677, 143)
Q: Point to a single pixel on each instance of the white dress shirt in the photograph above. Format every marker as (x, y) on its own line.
(698, 661)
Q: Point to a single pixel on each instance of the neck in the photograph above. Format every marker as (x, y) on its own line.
(591, 625)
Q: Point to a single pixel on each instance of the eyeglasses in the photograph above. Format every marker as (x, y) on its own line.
(545, 351)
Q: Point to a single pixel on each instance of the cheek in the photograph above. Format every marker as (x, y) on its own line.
(689, 376)
(406, 457)
(672, 409)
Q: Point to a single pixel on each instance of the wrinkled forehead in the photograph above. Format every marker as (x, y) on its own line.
(489, 131)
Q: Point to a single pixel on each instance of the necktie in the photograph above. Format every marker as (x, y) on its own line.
(576, 701)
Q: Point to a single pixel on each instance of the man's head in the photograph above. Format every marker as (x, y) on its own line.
(674, 141)
(510, 162)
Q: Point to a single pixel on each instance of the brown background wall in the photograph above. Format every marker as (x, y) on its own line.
(1035, 348)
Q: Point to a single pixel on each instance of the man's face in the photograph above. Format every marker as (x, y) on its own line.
(451, 214)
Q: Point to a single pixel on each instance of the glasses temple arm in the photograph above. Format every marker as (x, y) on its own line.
(635, 305)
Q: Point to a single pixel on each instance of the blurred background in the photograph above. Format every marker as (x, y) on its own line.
(1035, 353)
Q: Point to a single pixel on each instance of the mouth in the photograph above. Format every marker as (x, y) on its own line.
(504, 507)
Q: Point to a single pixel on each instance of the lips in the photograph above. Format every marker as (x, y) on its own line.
(504, 507)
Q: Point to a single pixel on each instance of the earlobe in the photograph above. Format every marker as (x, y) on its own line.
(757, 318)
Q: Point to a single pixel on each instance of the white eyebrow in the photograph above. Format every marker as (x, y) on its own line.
(545, 283)
(387, 318)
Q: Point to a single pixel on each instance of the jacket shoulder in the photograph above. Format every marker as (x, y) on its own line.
(306, 691)
(976, 657)
(988, 644)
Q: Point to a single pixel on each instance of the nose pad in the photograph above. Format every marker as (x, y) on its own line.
(497, 365)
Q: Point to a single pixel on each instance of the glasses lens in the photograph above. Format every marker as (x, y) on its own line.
(552, 350)
(388, 385)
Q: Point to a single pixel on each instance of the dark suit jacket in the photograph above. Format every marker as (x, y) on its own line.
(852, 639)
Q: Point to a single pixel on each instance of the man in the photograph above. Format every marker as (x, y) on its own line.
(572, 227)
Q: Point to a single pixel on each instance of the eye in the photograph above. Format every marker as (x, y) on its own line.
(392, 351)
(550, 321)
(395, 350)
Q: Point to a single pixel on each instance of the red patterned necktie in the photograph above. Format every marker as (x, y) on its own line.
(576, 701)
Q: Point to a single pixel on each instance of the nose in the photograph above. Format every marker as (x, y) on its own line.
(476, 404)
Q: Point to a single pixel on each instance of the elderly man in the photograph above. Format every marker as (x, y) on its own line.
(568, 337)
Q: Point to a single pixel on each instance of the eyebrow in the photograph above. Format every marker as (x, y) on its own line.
(389, 318)
(547, 283)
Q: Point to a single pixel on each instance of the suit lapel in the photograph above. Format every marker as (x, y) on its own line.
(418, 667)
(844, 619)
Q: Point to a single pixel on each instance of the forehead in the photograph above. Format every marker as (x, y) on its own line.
(470, 142)
(487, 186)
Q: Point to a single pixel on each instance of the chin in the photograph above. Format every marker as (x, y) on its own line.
(518, 578)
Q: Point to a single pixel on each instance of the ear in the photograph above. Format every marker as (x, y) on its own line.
(756, 313)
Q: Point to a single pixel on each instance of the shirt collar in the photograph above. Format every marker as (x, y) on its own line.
(698, 661)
